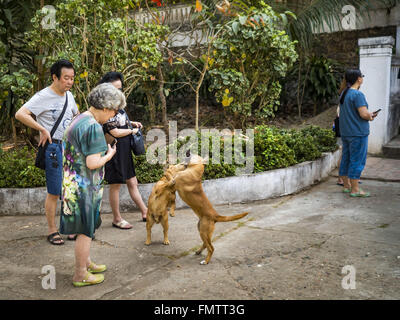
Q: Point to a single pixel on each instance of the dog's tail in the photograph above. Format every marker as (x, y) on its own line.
(230, 218)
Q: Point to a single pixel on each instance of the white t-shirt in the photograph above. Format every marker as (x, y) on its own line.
(47, 106)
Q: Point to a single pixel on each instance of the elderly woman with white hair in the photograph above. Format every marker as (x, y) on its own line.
(85, 154)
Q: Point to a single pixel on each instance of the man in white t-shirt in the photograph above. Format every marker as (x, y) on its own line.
(47, 105)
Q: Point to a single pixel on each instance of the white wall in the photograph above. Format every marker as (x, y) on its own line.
(375, 64)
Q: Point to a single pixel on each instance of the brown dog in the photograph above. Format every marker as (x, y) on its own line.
(188, 184)
(161, 199)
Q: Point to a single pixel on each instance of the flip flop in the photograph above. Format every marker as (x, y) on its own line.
(96, 268)
(340, 184)
(123, 224)
(99, 278)
(345, 190)
(52, 238)
(360, 195)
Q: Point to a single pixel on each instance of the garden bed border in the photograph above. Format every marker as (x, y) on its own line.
(236, 189)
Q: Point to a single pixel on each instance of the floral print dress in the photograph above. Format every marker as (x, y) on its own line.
(82, 188)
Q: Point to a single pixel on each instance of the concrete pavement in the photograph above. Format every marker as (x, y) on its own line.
(293, 247)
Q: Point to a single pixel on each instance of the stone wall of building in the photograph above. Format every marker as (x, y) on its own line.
(343, 46)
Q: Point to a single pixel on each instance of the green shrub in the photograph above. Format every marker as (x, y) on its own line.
(324, 138)
(304, 146)
(271, 150)
(146, 172)
(17, 169)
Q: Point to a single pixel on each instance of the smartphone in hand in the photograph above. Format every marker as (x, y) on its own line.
(377, 111)
(113, 143)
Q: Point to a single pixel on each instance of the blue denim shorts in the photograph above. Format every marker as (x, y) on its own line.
(54, 160)
(354, 156)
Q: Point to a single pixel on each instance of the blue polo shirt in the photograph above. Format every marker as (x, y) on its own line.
(350, 122)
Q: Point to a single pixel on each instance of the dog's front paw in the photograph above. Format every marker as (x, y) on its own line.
(203, 262)
(166, 242)
(147, 243)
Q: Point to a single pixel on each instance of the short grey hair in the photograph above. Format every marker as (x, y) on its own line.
(106, 96)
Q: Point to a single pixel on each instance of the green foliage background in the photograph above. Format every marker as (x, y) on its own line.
(273, 148)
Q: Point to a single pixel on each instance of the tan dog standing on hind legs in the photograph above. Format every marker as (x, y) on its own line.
(188, 184)
(161, 199)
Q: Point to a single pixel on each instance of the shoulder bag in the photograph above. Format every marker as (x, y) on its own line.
(41, 154)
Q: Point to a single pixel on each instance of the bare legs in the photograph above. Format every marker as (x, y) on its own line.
(340, 179)
(82, 258)
(114, 203)
(351, 184)
(50, 207)
(132, 185)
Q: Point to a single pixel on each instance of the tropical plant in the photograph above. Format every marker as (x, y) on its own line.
(249, 57)
(100, 36)
(16, 63)
(321, 84)
(193, 60)
(318, 15)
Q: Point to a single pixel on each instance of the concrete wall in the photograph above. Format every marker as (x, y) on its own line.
(376, 65)
(273, 183)
(378, 16)
(343, 46)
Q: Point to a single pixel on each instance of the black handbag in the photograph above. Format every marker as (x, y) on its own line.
(40, 160)
(137, 143)
(337, 127)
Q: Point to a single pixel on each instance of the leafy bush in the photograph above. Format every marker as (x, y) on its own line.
(273, 148)
(304, 146)
(249, 57)
(146, 172)
(17, 169)
(324, 138)
(279, 148)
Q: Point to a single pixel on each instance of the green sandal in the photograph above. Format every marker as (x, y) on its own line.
(345, 190)
(94, 268)
(360, 195)
(99, 278)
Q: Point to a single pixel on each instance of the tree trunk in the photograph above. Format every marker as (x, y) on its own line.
(162, 98)
(298, 89)
(197, 111)
(14, 131)
(40, 69)
(152, 107)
